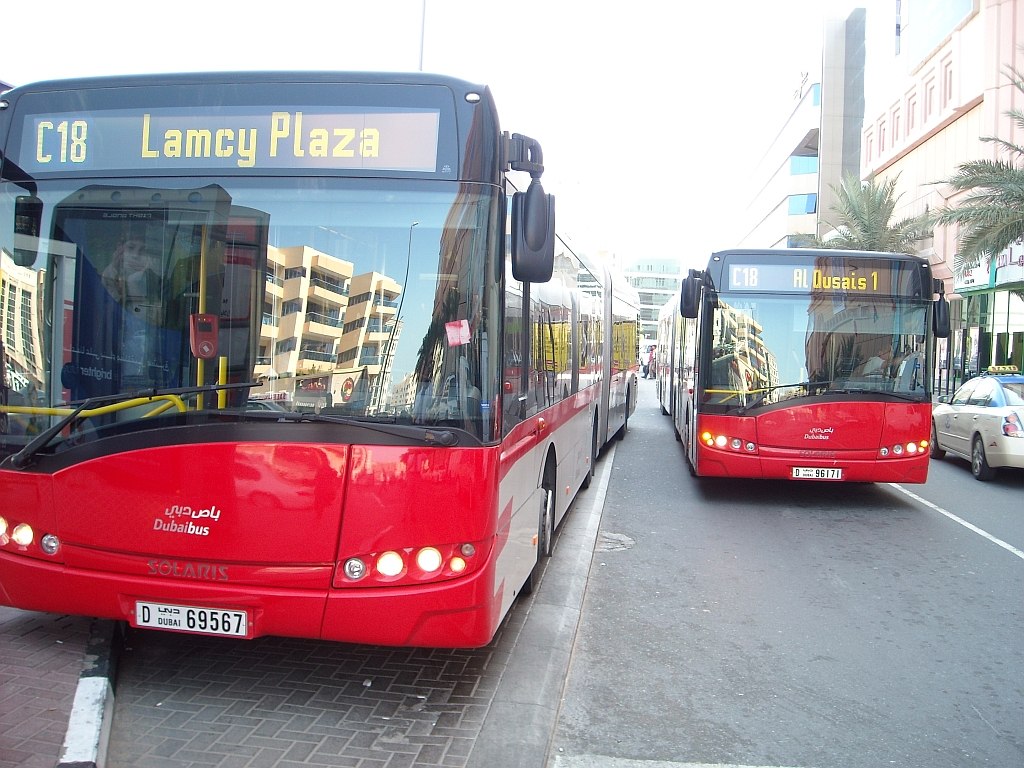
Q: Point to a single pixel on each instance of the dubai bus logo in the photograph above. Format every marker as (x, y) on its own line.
(180, 518)
(819, 433)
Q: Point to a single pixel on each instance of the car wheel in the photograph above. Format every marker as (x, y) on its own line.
(979, 464)
(934, 450)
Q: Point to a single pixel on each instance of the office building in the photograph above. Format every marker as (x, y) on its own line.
(937, 84)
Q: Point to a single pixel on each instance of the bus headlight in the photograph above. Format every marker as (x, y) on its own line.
(411, 565)
(390, 564)
(428, 560)
(22, 534)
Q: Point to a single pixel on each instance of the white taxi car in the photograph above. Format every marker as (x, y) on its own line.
(983, 422)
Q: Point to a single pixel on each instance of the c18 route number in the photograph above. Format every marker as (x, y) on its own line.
(70, 138)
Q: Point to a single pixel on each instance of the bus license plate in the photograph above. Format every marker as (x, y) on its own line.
(817, 473)
(189, 618)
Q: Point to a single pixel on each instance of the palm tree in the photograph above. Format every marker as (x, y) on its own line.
(864, 211)
(991, 216)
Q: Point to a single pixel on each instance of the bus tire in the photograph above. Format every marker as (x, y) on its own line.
(589, 476)
(621, 434)
(545, 530)
(546, 524)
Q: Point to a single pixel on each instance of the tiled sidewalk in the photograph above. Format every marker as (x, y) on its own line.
(41, 657)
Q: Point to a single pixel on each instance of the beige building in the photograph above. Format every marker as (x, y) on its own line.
(932, 93)
(325, 330)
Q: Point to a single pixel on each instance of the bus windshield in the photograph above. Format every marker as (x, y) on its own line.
(770, 348)
(371, 299)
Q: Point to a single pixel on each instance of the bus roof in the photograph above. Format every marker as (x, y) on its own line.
(267, 76)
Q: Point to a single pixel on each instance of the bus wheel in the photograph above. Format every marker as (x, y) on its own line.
(621, 434)
(589, 477)
(546, 530)
(979, 464)
(545, 534)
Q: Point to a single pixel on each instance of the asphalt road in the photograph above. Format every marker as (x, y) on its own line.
(784, 624)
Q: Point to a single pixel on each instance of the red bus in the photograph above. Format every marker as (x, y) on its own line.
(180, 251)
(803, 364)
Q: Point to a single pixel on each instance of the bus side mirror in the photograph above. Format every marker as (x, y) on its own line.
(689, 295)
(533, 234)
(28, 220)
(940, 314)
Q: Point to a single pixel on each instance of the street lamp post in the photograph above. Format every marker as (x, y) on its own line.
(423, 33)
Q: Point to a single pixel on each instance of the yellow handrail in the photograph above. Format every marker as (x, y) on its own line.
(170, 401)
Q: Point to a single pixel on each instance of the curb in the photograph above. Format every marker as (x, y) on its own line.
(85, 742)
(520, 723)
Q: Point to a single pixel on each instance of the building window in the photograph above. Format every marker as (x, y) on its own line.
(799, 165)
(911, 112)
(947, 84)
(929, 98)
(881, 137)
(803, 204)
(894, 118)
(869, 148)
(26, 322)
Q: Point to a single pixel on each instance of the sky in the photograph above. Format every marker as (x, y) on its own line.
(651, 113)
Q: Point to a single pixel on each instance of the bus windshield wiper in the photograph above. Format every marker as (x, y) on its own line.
(35, 445)
(887, 392)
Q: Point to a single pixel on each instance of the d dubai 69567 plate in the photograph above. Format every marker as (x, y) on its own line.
(190, 618)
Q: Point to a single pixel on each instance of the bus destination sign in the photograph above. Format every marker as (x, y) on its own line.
(801, 277)
(237, 139)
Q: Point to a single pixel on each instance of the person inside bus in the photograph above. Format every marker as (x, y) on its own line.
(133, 282)
(110, 341)
(130, 276)
(878, 364)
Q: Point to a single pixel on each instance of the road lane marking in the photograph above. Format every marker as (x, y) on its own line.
(985, 534)
(603, 761)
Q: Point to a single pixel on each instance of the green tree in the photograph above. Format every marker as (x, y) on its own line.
(991, 216)
(863, 220)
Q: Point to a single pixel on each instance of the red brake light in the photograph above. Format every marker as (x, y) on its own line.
(1012, 426)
